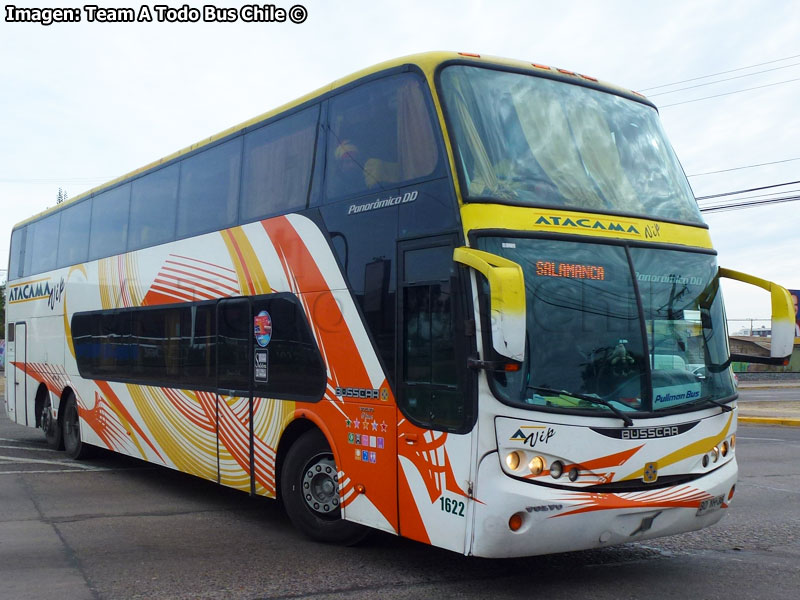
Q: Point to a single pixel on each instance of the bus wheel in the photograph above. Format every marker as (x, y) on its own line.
(50, 426)
(310, 492)
(73, 445)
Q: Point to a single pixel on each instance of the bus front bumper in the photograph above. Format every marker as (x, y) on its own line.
(559, 520)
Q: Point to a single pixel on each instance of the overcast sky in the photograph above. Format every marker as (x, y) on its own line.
(81, 103)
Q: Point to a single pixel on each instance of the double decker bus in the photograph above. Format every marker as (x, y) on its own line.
(466, 300)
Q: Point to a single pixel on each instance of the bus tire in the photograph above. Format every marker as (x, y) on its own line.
(50, 426)
(73, 445)
(310, 492)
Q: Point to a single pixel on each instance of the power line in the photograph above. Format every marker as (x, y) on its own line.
(691, 87)
(774, 162)
(758, 87)
(751, 204)
(710, 203)
(756, 189)
(769, 62)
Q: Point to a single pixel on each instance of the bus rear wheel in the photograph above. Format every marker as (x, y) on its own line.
(51, 427)
(73, 445)
(310, 492)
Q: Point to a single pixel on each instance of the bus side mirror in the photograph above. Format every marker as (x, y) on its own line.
(783, 322)
(507, 304)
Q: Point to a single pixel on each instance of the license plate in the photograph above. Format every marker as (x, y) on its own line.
(710, 505)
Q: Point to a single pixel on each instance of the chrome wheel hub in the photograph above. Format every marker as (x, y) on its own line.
(321, 486)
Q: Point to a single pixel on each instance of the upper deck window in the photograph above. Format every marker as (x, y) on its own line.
(522, 139)
(44, 243)
(209, 189)
(380, 135)
(277, 166)
(73, 241)
(110, 222)
(153, 201)
(16, 259)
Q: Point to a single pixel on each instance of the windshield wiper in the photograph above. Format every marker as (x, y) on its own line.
(710, 400)
(588, 398)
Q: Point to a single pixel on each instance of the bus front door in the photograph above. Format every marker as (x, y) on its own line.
(436, 448)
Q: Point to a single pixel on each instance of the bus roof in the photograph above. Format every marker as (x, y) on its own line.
(426, 61)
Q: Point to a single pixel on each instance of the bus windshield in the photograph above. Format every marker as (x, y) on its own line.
(650, 345)
(534, 141)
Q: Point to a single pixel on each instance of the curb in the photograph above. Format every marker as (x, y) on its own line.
(789, 422)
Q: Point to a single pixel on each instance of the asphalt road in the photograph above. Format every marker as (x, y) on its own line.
(764, 394)
(114, 527)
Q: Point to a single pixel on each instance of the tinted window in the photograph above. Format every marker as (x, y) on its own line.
(157, 334)
(110, 222)
(235, 330)
(379, 136)
(154, 200)
(294, 366)
(209, 189)
(44, 244)
(172, 346)
(102, 343)
(429, 383)
(277, 166)
(15, 262)
(428, 264)
(73, 241)
(178, 346)
(199, 339)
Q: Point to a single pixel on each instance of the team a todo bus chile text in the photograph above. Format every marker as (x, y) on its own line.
(249, 13)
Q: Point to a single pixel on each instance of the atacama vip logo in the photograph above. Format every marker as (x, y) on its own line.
(31, 290)
(583, 223)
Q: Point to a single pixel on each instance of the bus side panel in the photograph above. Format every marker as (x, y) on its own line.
(357, 404)
(270, 419)
(233, 441)
(435, 504)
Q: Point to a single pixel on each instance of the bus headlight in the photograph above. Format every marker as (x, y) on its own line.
(537, 465)
(556, 469)
(512, 460)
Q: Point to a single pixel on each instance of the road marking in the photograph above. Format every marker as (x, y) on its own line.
(29, 448)
(39, 461)
(740, 437)
(34, 472)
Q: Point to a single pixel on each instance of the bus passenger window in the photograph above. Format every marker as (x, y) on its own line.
(110, 222)
(380, 135)
(45, 242)
(17, 246)
(234, 332)
(73, 240)
(154, 200)
(209, 189)
(277, 166)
